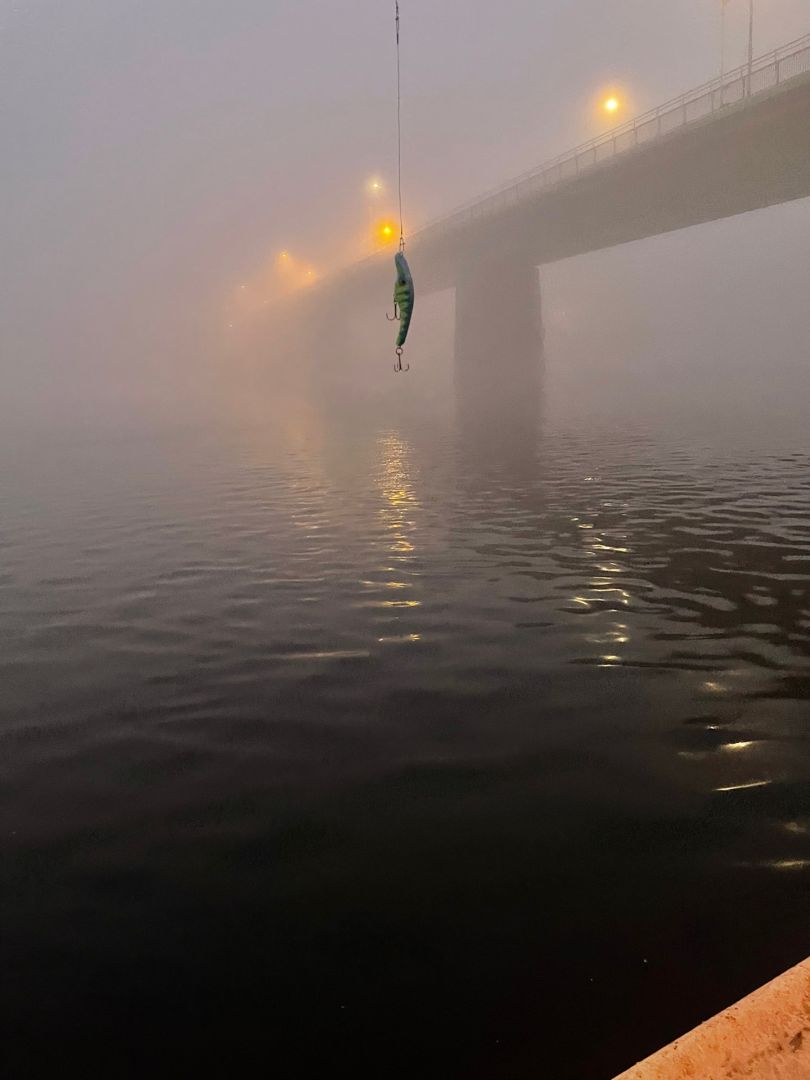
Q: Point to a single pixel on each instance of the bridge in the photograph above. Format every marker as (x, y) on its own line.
(734, 144)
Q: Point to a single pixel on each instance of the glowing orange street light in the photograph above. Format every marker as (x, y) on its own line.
(386, 232)
(611, 104)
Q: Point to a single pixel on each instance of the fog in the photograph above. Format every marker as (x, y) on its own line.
(406, 721)
(158, 154)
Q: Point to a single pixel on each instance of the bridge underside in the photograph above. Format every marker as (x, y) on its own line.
(752, 156)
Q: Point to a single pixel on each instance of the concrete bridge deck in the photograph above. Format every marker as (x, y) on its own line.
(733, 145)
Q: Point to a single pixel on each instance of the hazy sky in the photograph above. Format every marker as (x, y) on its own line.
(155, 151)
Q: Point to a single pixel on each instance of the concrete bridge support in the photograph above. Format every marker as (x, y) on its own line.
(499, 342)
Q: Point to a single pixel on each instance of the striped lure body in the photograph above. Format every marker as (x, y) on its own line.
(403, 296)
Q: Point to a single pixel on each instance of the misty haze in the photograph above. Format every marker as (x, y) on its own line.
(449, 721)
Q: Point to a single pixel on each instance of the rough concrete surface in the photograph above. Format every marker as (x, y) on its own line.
(766, 1036)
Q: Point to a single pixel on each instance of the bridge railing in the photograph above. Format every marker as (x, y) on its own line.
(764, 73)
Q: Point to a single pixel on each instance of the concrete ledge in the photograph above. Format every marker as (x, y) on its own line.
(766, 1036)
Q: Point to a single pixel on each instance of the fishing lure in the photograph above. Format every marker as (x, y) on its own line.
(403, 304)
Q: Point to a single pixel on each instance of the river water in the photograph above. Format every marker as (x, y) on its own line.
(372, 744)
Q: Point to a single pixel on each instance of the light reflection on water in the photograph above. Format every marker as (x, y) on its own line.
(540, 706)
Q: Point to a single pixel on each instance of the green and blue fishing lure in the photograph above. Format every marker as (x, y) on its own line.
(403, 303)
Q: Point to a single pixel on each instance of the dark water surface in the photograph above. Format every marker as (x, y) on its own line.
(384, 750)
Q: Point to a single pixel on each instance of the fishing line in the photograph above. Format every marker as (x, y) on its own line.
(399, 139)
(403, 285)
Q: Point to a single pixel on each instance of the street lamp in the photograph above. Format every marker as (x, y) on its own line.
(609, 106)
(385, 233)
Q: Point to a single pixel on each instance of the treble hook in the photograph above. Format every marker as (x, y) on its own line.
(398, 365)
(395, 316)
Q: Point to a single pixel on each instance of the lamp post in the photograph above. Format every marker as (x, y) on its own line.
(750, 43)
(723, 4)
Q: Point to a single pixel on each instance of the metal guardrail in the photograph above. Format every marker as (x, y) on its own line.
(764, 73)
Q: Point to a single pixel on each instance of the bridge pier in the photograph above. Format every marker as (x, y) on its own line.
(499, 341)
